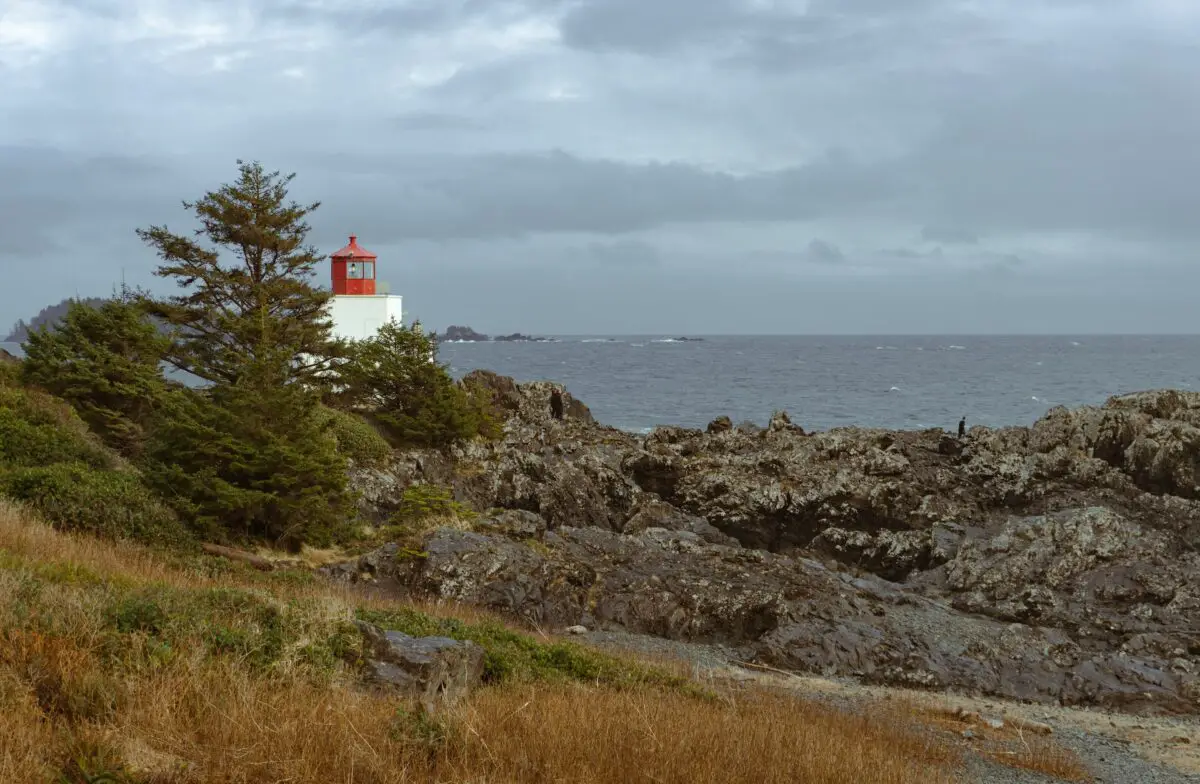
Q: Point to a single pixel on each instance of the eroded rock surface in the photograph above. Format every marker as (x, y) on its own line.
(435, 671)
(1051, 563)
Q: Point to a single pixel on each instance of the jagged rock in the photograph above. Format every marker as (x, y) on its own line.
(780, 421)
(651, 512)
(1046, 569)
(513, 523)
(505, 394)
(1052, 562)
(787, 612)
(366, 567)
(891, 554)
(436, 671)
(721, 424)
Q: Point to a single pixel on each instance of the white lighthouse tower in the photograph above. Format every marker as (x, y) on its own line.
(356, 310)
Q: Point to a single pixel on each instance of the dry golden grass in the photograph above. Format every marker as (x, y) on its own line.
(71, 704)
(572, 734)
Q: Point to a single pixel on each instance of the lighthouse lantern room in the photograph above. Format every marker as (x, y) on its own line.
(356, 310)
(353, 269)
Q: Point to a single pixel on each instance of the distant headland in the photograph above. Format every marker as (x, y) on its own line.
(47, 317)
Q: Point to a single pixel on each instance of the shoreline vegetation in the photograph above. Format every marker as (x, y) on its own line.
(208, 584)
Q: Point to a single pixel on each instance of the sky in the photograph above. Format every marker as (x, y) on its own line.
(634, 166)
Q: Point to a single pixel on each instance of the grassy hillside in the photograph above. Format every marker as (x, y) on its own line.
(169, 669)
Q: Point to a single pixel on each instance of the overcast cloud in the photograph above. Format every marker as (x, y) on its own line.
(584, 166)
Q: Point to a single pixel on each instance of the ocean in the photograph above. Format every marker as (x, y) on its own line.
(825, 382)
(636, 383)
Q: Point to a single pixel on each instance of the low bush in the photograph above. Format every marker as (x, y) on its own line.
(395, 375)
(37, 429)
(422, 502)
(357, 438)
(112, 504)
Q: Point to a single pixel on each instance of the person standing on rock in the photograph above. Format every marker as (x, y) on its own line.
(962, 427)
(556, 404)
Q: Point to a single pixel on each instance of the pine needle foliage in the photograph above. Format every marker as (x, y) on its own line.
(105, 360)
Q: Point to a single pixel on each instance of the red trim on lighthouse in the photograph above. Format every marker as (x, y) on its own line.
(353, 269)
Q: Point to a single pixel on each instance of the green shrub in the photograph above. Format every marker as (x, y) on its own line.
(105, 361)
(357, 439)
(77, 497)
(421, 502)
(38, 430)
(396, 377)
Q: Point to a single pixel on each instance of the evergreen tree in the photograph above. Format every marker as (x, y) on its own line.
(250, 453)
(105, 360)
(260, 304)
(252, 460)
(396, 377)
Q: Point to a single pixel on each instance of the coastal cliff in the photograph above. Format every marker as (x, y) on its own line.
(1054, 563)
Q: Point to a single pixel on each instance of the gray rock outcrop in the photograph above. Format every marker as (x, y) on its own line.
(1054, 563)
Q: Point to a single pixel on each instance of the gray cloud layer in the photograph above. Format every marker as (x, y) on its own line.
(676, 148)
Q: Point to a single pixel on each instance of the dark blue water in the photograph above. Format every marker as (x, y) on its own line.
(824, 382)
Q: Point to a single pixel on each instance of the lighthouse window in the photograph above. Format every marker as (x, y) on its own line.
(368, 270)
(354, 271)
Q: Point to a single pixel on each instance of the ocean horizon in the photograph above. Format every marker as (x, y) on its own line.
(906, 382)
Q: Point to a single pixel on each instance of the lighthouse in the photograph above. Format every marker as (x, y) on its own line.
(356, 310)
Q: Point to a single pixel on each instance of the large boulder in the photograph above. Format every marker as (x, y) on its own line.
(435, 671)
(529, 401)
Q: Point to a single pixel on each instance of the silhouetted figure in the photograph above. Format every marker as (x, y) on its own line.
(962, 427)
(556, 404)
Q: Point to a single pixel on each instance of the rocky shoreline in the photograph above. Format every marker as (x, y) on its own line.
(1051, 564)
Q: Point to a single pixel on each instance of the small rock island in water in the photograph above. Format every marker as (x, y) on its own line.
(458, 334)
(517, 337)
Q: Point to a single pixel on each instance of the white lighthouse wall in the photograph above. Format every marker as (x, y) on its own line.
(360, 316)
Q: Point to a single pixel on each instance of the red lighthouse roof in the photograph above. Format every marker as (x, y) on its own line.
(353, 251)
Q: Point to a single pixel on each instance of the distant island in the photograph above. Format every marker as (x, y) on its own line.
(48, 317)
(460, 334)
(517, 337)
(457, 334)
